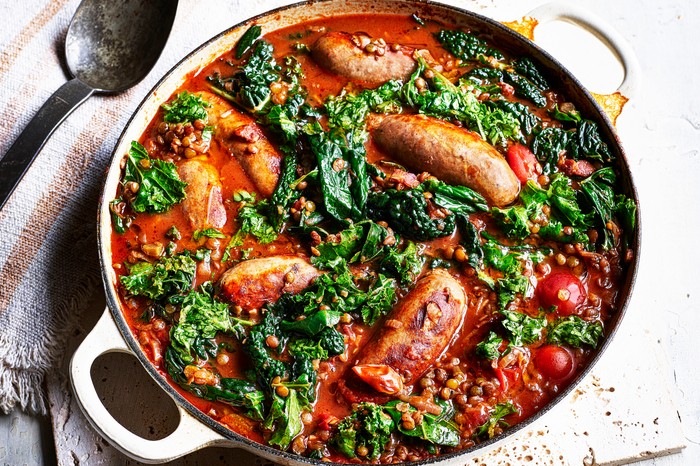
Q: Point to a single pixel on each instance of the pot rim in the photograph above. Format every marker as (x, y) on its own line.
(238, 440)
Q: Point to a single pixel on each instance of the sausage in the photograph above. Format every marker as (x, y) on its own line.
(340, 53)
(203, 203)
(415, 333)
(245, 140)
(254, 282)
(454, 155)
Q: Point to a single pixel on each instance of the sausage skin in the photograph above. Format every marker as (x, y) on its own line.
(338, 53)
(454, 155)
(254, 282)
(244, 139)
(203, 204)
(416, 332)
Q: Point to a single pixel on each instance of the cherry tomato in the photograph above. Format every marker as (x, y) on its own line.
(523, 163)
(554, 362)
(381, 377)
(563, 290)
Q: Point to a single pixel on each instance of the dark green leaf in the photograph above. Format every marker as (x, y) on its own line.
(247, 40)
(500, 411)
(185, 107)
(523, 329)
(160, 186)
(490, 347)
(574, 331)
(168, 277)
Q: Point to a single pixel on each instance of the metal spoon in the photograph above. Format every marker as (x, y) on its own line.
(110, 46)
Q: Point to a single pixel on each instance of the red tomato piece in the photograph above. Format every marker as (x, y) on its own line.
(563, 290)
(554, 362)
(523, 163)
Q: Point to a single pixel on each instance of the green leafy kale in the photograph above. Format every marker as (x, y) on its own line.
(436, 429)
(407, 213)
(185, 108)
(253, 221)
(368, 426)
(574, 331)
(342, 173)
(338, 292)
(169, 278)
(235, 392)
(208, 232)
(488, 429)
(525, 88)
(159, 186)
(349, 111)
(599, 192)
(523, 329)
(404, 265)
(249, 87)
(584, 141)
(448, 101)
(202, 317)
(247, 40)
(466, 46)
(371, 426)
(285, 418)
(508, 260)
(565, 211)
(490, 347)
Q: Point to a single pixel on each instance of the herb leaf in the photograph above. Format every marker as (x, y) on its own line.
(160, 186)
(500, 411)
(574, 331)
(170, 278)
(185, 107)
(247, 40)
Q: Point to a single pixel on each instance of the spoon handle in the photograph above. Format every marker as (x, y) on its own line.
(16, 161)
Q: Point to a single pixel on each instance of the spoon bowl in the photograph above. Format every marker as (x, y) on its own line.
(110, 46)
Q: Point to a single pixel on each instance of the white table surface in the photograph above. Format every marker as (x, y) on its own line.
(661, 133)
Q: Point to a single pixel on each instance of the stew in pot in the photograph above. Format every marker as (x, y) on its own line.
(370, 239)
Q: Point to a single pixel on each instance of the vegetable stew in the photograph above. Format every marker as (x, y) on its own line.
(373, 246)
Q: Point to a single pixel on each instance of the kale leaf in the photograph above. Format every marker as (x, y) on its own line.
(368, 426)
(404, 265)
(350, 111)
(523, 329)
(342, 173)
(466, 46)
(247, 40)
(202, 317)
(159, 186)
(490, 347)
(599, 192)
(500, 411)
(169, 278)
(185, 107)
(574, 331)
(407, 213)
(249, 87)
(234, 392)
(436, 429)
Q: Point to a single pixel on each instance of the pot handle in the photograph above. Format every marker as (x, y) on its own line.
(190, 434)
(569, 11)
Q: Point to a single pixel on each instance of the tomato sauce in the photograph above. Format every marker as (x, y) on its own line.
(480, 384)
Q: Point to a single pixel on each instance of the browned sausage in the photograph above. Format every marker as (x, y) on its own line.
(340, 53)
(244, 139)
(203, 204)
(416, 332)
(454, 155)
(252, 283)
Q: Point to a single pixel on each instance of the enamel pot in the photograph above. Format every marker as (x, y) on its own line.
(112, 334)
